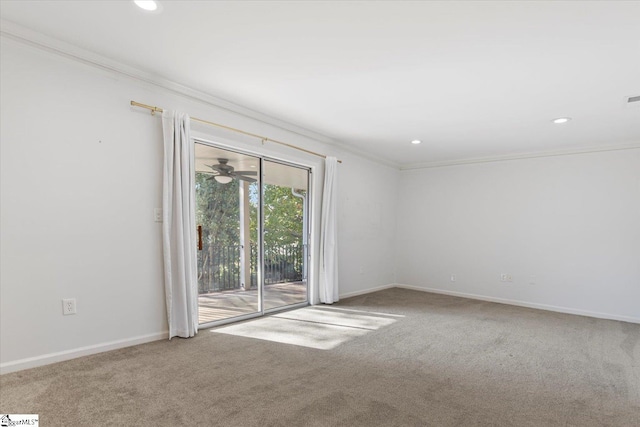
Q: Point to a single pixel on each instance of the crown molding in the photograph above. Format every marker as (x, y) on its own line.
(530, 155)
(21, 34)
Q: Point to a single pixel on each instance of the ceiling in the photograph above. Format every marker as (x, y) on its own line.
(469, 79)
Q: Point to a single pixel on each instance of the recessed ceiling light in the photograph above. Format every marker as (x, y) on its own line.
(416, 142)
(561, 120)
(148, 5)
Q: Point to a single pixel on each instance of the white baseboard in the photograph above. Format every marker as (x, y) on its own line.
(546, 307)
(46, 359)
(367, 291)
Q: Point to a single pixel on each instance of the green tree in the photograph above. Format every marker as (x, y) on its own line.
(283, 234)
(217, 210)
(282, 216)
(218, 213)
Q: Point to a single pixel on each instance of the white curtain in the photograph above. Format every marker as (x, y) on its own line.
(178, 227)
(329, 234)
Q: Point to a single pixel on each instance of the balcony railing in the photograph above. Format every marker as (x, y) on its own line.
(219, 266)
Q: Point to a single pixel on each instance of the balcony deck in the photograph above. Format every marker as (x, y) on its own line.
(226, 304)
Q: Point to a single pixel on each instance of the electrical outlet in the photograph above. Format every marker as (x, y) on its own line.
(453, 277)
(68, 306)
(506, 277)
(157, 214)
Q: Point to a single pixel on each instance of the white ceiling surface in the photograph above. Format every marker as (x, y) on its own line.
(470, 79)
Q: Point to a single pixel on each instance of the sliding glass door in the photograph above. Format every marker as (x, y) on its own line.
(243, 272)
(227, 188)
(285, 190)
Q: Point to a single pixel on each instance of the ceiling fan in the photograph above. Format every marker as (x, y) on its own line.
(225, 173)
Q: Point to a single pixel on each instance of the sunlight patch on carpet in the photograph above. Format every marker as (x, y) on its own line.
(309, 327)
(337, 318)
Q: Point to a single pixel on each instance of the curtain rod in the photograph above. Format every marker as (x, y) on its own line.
(206, 122)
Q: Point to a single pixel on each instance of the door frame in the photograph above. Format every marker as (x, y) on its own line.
(307, 262)
(260, 273)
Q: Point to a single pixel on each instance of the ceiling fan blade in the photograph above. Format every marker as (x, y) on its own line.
(244, 178)
(246, 172)
(214, 167)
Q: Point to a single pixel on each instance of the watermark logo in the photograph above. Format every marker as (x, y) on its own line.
(10, 420)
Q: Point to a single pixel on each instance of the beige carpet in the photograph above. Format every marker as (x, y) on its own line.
(390, 358)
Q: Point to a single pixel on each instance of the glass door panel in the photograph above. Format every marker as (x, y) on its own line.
(285, 193)
(227, 190)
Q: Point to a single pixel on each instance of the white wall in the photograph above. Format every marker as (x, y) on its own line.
(80, 177)
(366, 226)
(573, 222)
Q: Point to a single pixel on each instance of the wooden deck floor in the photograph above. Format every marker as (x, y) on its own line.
(225, 304)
